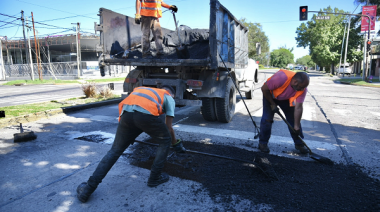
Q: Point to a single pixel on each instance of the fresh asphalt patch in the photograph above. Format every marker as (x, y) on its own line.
(302, 185)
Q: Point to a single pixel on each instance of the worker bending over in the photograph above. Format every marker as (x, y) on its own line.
(140, 112)
(287, 90)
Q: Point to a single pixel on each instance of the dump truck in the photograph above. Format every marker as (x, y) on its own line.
(218, 58)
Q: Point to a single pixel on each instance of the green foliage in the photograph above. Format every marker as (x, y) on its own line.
(324, 38)
(257, 35)
(281, 57)
(305, 61)
(261, 66)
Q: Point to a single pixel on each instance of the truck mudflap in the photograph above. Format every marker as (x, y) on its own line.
(214, 85)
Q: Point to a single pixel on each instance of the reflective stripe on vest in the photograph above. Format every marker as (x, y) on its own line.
(276, 92)
(151, 8)
(151, 99)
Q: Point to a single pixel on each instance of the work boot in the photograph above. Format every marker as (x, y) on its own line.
(84, 191)
(160, 54)
(154, 181)
(302, 148)
(178, 147)
(147, 55)
(264, 148)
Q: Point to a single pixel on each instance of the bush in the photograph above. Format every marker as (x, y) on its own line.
(261, 66)
(105, 92)
(89, 90)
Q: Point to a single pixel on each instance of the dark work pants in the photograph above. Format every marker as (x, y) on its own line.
(151, 24)
(130, 126)
(267, 120)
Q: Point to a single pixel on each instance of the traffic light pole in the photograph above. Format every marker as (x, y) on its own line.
(369, 32)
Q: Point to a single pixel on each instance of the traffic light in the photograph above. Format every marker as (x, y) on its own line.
(369, 46)
(303, 13)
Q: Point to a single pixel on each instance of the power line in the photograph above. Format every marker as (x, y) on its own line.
(56, 9)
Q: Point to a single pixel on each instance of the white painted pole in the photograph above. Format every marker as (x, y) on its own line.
(30, 49)
(2, 61)
(345, 54)
(341, 51)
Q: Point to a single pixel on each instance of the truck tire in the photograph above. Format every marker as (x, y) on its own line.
(249, 94)
(208, 109)
(225, 107)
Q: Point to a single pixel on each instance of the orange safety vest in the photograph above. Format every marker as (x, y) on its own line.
(151, 99)
(151, 8)
(276, 92)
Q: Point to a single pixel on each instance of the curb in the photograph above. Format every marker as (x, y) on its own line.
(49, 113)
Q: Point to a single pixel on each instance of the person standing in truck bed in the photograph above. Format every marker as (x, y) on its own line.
(148, 13)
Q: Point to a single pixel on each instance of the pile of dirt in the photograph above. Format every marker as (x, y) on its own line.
(301, 185)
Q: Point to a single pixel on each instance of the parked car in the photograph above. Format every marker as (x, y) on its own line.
(298, 68)
(344, 69)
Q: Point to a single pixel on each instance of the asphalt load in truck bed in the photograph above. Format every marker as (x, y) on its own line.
(301, 185)
(196, 40)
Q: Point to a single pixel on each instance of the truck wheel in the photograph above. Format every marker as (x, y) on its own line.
(208, 109)
(225, 107)
(249, 94)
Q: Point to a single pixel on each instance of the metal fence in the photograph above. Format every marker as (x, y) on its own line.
(58, 70)
(52, 70)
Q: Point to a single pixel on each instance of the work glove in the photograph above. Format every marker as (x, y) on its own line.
(137, 18)
(173, 8)
(275, 109)
(178, 147)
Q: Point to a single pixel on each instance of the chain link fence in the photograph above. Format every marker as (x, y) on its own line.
(59, 70)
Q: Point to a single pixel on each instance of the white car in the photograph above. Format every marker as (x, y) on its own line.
(344, 69)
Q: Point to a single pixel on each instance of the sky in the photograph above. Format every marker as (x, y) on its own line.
(279, 19)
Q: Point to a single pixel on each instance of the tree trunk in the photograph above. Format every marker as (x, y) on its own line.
(332, 69)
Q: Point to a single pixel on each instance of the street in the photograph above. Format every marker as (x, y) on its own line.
(339, 121)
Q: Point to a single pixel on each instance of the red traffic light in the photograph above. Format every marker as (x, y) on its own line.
(369, 42)
(303, 10)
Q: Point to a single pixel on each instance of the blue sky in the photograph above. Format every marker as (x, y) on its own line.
(279, 19)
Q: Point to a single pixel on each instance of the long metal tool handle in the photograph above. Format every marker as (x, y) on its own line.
(179, 37)
(290, 126)
(254, 123)
(213, 155)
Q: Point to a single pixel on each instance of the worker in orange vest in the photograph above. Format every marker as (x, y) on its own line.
(148, 13)
(139, 113)
(286, 89)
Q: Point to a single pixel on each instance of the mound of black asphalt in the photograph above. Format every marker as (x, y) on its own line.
(301, 185)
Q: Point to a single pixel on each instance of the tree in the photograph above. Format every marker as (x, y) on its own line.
(324, 39)
(281, 57)
(305, 61)
(257, 35)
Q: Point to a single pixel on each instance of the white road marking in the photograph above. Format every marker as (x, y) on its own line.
(376, 114)
(342, 112)
(248, 136)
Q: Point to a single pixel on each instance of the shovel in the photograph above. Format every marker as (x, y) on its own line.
(312, 155)
(182, 51)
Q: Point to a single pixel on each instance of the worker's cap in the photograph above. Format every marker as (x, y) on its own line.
(169, 88)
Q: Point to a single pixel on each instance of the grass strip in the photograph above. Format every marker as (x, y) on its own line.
(360, 82)
(22, 110)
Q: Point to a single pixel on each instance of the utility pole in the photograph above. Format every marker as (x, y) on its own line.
(40, 57)
(345, 53)
(364, 58)
(26, 45)
(2, 67)
(30, 49)
(341, 51)
(35, 46)
(78, 53)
